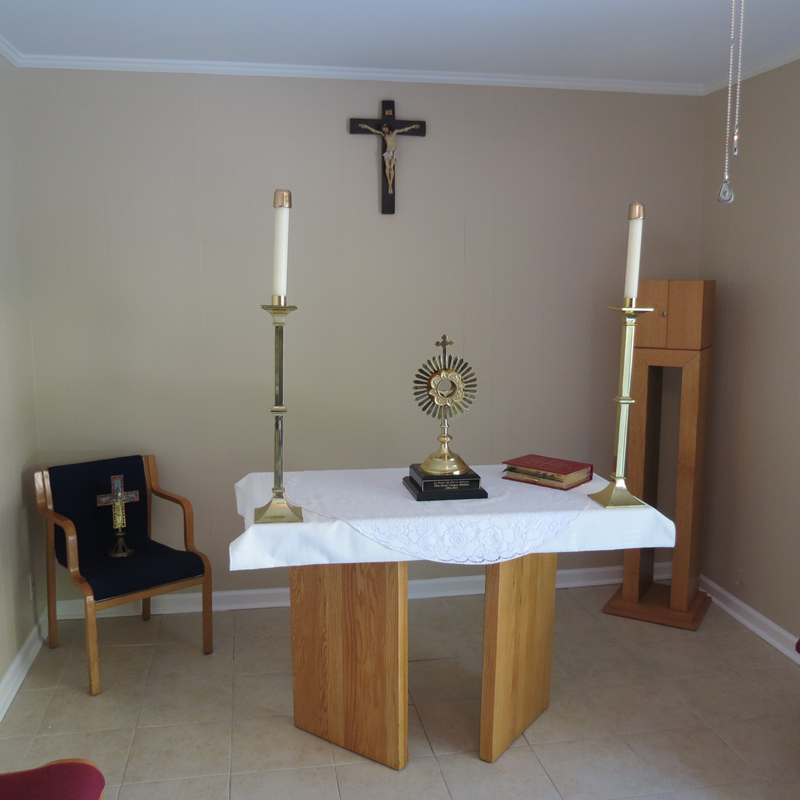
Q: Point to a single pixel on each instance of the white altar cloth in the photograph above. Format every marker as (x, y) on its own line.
(355, 516)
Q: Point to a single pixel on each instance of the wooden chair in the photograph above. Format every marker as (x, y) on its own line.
(80, 535)
(68, 779)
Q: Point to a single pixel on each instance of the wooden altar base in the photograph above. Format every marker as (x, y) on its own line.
(350, 653)
(654, 606)
(350, 656)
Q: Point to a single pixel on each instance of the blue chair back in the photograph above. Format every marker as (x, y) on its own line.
(75, 488)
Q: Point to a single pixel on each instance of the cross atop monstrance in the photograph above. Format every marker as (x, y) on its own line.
(117, 499)
(388, 128)
(444, 344)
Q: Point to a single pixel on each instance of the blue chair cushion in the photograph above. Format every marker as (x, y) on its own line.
(151, 564)
(75, 488)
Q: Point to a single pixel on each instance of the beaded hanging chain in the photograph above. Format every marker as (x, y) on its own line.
(725, 191)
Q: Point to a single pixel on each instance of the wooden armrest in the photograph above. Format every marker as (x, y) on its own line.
(188, 515)
(183, 502)
(71, 536)
(59, 519)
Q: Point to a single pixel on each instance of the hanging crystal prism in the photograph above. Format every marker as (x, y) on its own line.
(725, 192)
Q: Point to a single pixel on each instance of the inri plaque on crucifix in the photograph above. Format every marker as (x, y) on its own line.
(388, 128)
(117, 500)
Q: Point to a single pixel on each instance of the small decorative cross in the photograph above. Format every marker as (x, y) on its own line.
(118, 498)
(444, 344)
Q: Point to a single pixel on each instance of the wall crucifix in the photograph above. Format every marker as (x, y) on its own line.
(388, 128)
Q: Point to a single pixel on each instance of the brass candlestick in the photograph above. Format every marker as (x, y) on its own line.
(278, 510)
(616, 494)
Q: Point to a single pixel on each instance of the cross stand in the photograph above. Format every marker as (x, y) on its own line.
(117, 499)
(388, 127)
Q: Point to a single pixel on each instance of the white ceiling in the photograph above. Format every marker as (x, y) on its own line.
(675, 46)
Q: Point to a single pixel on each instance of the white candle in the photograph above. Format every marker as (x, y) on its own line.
(282, 204)
(636, 217)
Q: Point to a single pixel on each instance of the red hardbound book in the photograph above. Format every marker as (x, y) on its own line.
(557, 473)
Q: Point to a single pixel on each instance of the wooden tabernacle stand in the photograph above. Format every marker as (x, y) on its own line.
(678, 333)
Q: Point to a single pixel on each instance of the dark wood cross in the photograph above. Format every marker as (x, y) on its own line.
(388, 128)
(117, 498)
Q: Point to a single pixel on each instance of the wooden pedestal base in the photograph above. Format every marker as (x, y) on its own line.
(350, 656)
(518, 625)
(677, 335)
(654, 607)
(350, 653)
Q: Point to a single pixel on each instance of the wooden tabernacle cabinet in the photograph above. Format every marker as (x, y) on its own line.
(678, 333)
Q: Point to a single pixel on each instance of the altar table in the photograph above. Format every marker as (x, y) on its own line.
(349, 591)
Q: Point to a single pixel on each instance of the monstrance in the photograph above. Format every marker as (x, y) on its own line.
(444, 387)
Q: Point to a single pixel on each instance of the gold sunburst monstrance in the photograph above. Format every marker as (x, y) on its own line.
(445, 387)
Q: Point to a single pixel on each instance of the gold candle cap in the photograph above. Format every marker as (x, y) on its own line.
(635, 210)
(283, 199)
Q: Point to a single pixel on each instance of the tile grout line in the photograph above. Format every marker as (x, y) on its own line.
(539, 762)
(733, 749)
(757, 775)
(544, 768)
(54, 689)
(141, 701)
(336, 775)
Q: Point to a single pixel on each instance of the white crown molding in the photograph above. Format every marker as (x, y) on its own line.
(10, 52)
(779, 59)
(354, 74)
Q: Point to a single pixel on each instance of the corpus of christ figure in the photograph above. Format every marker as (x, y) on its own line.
(390, 143)
(388, 128)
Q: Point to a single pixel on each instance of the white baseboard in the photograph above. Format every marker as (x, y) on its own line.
(181, 603)
(16, 673)
(565, 579)
(765, 628)
(184, 603)
(446, 587)
(605, 576)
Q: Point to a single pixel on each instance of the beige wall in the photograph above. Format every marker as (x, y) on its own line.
(17, 421)
(148, 218)
(147, 237)
(752, 248)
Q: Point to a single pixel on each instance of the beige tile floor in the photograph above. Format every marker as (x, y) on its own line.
(636, 710)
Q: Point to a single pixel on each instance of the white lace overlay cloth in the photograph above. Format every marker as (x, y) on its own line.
(505, 525)
(514, 520)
